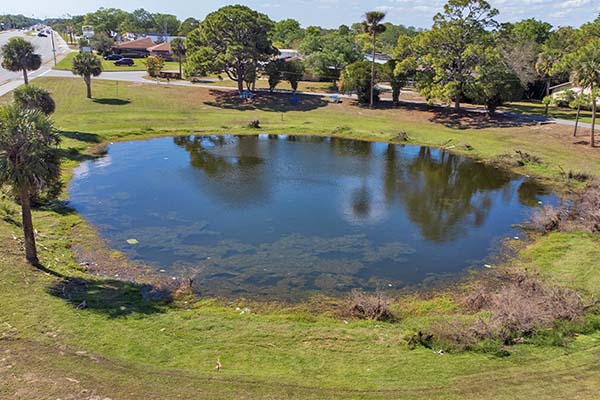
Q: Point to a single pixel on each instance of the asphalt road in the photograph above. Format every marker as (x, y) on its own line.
(43, 46)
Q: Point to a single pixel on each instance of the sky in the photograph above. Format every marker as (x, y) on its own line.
(325, 13)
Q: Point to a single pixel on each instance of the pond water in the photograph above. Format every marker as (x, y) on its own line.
(285, 216)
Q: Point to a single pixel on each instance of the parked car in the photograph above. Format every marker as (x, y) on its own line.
(113, 57)
(42, 34)
(124, 61)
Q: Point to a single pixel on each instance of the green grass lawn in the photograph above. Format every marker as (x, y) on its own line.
(109, 66)
(553, 112)
(124, 347)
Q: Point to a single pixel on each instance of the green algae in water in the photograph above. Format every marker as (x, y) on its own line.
(285, 216)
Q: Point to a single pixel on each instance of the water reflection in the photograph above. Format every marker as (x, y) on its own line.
(284, 215)
(443, 193)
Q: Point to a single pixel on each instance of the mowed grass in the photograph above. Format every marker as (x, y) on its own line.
(553, 112)
(109, 66)
(121, 346)
(124, 347)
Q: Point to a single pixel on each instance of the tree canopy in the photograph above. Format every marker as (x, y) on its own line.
(448, 50)
(34, 98)
(232, 40)
(19, 54)
(87, 65)
(286, 33)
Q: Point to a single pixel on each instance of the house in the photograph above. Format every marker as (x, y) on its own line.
(161, 50)
(563, 87)
(134, 48)
(379, 58)
(160, 37)
(288, 53)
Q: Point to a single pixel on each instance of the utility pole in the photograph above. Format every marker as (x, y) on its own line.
(53, 47)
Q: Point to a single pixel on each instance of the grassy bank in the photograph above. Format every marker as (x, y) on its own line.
(120, 346)
(67, 62)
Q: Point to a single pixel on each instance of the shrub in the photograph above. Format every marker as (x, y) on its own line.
(154, 65)
(507, 309)
(587, 208)
(372, 306)
(545, 219)
(255, 124)
(519, 305)
(561, 99)
(582, 214)
(356, 78)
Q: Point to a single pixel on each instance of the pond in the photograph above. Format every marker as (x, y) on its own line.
(286, 216)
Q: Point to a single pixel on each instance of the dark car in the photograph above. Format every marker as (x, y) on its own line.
(42, 34)
(124, 61)
(113, 57)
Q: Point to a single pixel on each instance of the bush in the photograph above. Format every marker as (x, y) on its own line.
(587, 208)
(372, 306)
(582, 214)
(507, 309)
(519, 305)
(545, 219)
(356, 78)
(154, 65)
(34, 98)
(561, 99)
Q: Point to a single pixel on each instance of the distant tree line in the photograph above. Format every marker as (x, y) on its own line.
(17, 21)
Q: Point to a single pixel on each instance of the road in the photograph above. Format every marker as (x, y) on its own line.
(43, 46)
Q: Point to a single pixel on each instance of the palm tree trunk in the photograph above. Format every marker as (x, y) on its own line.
(547, 94)
(577, 119)
(25, 78)
(28, 232)
(180, 73)
(372, 99)
(593, 141)
(88, 85)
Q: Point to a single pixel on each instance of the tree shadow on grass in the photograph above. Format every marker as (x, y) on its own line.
(112, 297)
(476, 120)
(265, 101)
(82, 136)
(73, 153)
(112, 102)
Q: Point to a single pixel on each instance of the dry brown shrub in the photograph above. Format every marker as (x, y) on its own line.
(520, 304)
(545, 219)
(582, 214)
(373, 306)
(587, 208)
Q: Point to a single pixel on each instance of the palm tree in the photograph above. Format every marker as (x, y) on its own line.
(372, 26)
(544, 67)
(18, 55)
(34, 98)
(586, 72)
(87, 65)
(29, 161)
(178, 49)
